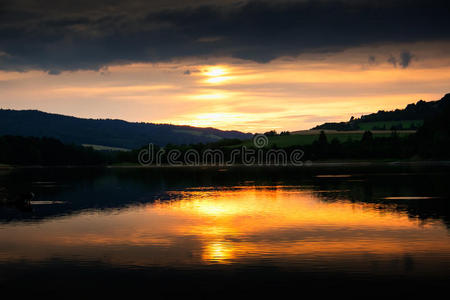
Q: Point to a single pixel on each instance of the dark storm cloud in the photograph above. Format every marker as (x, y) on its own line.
(405, 59)
(72, 35)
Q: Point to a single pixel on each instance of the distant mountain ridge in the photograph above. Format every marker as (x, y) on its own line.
(106, 132)
(420, 110)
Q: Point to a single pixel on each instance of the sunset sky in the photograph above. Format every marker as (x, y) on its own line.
(245, 65)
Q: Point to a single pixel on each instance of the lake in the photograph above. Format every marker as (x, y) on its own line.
(218, 232)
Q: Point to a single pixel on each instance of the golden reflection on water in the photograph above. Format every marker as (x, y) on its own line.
(229, 225)
(257, 222)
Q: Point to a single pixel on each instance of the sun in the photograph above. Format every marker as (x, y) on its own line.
(215, 75)
(215, 72)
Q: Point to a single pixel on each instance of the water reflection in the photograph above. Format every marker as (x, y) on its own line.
(205, 232)
(279, 225)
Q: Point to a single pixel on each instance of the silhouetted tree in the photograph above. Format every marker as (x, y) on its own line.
(270, 133)
(323, 141)
(367, 137)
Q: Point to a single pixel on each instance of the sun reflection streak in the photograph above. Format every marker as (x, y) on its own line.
(220, 252)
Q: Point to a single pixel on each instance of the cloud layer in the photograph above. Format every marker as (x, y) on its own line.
(89, 35)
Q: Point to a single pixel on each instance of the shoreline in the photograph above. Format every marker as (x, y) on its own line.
(308, 164)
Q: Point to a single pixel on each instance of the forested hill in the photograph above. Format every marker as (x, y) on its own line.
(106, 132)
(419, 112)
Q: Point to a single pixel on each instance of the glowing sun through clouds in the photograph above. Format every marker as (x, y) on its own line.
(216, 75)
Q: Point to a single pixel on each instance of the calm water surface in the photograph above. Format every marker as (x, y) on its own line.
(206, 231)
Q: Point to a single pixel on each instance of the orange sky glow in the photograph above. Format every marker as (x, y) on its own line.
(285, 94)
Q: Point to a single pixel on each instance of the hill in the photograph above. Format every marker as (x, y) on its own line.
(404, 121)
(434, 135)
(431, 141)
(409, 118)
(106, 132)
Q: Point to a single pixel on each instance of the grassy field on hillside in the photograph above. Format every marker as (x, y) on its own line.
(197, 133)
(406, 124)
(308, 137)
(105, 148)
